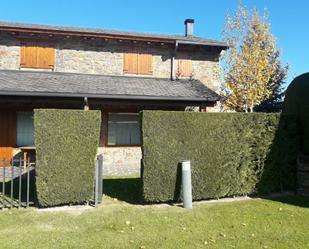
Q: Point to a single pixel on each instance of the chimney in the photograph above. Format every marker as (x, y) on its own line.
(189, 27)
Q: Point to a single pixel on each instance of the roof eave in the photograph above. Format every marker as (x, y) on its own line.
(222, 45)
(109, 96)
(134, 36)
(85, 34)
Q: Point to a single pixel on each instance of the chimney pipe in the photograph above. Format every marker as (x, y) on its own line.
(189, 27)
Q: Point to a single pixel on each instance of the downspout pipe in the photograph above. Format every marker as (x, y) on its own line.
(173, 62)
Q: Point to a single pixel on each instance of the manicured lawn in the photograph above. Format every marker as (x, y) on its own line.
(278, 223)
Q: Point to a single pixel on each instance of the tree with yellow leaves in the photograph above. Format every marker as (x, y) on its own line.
(252, 69)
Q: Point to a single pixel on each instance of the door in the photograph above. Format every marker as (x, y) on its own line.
(7, 135)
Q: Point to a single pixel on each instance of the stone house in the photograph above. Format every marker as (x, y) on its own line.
(120, 73)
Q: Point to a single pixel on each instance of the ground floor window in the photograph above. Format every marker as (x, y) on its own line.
(25, 129)
(123, 129)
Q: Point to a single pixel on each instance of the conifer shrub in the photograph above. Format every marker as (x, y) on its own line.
(230, 153)
(66, 145)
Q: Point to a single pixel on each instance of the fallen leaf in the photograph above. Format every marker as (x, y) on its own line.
(212, 240)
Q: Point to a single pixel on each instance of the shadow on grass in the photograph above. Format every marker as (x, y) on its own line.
(124, 189)
(295, 200)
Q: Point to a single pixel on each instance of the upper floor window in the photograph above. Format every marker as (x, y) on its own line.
(137, 63)
(35, 54)
(184, 67)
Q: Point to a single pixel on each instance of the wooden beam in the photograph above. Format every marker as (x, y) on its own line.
(18, 102)
(86, 34)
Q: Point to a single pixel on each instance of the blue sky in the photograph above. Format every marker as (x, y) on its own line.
(289, 19)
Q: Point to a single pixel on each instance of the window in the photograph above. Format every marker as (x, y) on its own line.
(184, 67)
(25, 129)
(137, 63)
(36, 54)
(123, 129)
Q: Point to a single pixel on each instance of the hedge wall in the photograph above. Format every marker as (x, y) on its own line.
(66, 145)
(230, 153)
(296, 102)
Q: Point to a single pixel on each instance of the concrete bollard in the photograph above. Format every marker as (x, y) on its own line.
(186, 184)
(100, 159)
(98, 180)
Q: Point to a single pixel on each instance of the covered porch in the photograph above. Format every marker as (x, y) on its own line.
(119, 98)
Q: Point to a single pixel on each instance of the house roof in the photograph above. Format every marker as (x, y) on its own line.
(12, 26)
(54, 84)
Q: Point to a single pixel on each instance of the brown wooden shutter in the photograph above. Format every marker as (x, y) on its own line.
(28, 54)
(45, 57)
(137, 63)
(130, 63)
(144, 64)
(184, 67)
(23, 55)
(37, 55)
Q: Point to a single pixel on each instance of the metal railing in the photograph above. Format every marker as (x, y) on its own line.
(16, 184)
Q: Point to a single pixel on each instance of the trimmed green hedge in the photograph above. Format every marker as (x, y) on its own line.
(230, 153)
(66, 145)
(296, 103)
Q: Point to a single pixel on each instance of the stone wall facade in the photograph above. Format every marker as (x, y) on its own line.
(121, 161)
(9, 53)
(105, 59)
(92, 57)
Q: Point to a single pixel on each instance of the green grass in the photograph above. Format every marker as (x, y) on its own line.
(261, 223)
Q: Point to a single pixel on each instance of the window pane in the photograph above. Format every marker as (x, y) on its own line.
(25, 129)
(123, 129)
